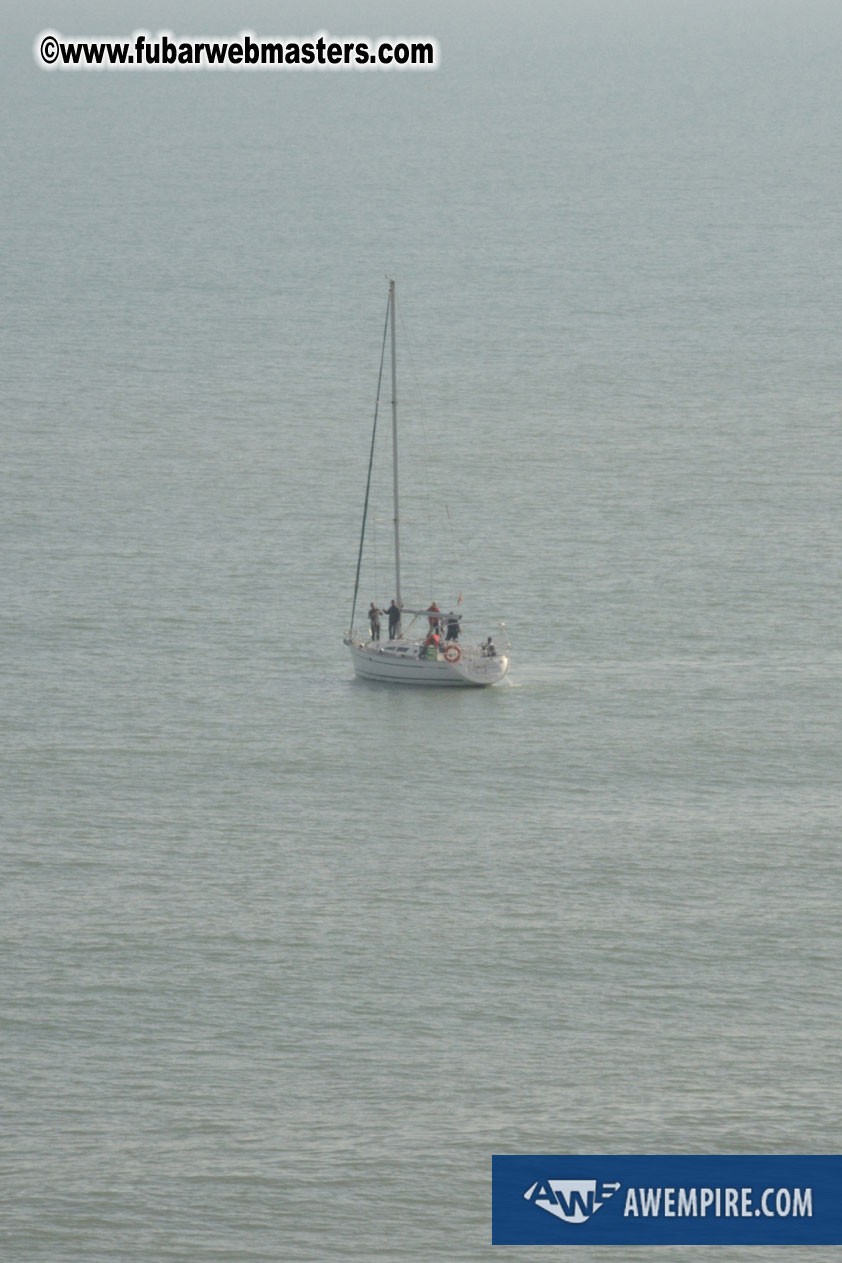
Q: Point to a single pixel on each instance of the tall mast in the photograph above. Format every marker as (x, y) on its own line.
(395, 451)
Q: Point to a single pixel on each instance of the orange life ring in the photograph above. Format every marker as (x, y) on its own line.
(453, 653)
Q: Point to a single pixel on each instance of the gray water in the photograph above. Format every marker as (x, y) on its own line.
(286, 956)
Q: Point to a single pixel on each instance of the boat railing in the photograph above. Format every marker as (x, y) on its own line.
(415, 646)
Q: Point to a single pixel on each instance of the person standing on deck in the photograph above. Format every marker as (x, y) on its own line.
(452, 626)
(394, 621)
(374, 621)
(433, 612)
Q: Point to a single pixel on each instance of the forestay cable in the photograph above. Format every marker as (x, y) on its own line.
(370, 466)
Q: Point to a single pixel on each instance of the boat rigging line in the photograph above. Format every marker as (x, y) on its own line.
(370, 463)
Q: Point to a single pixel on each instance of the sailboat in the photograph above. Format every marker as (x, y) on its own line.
(423, 646)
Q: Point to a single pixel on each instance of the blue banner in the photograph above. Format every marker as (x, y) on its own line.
(666, 1200)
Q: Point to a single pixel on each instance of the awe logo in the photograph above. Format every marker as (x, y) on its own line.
(572, 1200)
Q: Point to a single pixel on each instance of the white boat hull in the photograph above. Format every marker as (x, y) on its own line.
(396, 662)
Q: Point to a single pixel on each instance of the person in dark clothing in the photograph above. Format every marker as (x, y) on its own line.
(452, 626)
(374, 621)
(488, 649)
(394, 621)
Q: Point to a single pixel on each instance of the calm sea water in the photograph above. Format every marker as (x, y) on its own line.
(287, 957)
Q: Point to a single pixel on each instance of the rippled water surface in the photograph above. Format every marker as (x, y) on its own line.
(288, 956)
